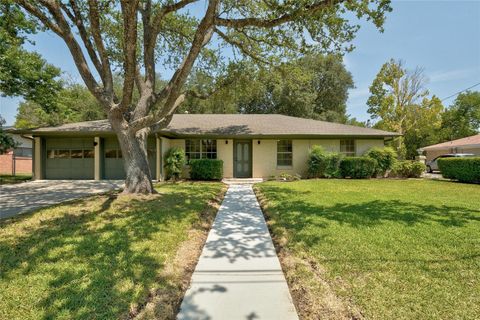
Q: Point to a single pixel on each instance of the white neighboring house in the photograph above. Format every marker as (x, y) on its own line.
(24, 144)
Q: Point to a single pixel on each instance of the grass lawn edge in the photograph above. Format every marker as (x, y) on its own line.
(302, 274)
(165, 301)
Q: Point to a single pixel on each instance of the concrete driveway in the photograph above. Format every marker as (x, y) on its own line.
(29, 196)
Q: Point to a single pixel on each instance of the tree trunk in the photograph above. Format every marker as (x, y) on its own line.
(134, 153)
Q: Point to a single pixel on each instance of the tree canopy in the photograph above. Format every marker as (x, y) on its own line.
(315, 86)
(462, 118)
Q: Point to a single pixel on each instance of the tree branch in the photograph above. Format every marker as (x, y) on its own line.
(270, 23)
(240, 46)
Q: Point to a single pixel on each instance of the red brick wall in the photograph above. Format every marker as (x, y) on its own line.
(22, 165)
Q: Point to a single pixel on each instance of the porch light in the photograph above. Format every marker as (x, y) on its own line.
(226, 141)
(258, 141)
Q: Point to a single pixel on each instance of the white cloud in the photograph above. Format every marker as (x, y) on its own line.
(448, 75)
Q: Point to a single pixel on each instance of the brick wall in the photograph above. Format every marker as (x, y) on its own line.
(22, 164)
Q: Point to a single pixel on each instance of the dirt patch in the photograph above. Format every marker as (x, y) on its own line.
(312, 294)
(164, 303)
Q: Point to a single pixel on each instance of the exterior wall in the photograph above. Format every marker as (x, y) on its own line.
(363, 145)
(225, 153)
(69, 168)
(265, 154)
(21, 165)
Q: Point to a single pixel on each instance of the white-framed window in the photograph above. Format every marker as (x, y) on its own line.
(200, 149)
(284, 153)
(347, 147)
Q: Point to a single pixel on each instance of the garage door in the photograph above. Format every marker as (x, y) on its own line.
(69, 158)
(114, 160)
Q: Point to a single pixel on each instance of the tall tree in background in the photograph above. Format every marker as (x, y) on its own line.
(134, 36)
(23, 73)
(314, 86)
(399, 100)
(462, 119)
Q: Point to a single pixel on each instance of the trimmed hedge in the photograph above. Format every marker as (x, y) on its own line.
(461, 169)
(385, 159)
(322, 164)
(357, 167)
(206, 169)
(408, 169)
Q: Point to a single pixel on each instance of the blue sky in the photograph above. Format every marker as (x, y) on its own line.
(443, 37)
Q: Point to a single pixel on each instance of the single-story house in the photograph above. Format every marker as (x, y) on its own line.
(252, 145)
(464, 145)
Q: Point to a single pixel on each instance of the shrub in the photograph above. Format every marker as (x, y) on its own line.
(206, 169)
(408, 169)
(322, 164)
(289, 177)
(461, 169)
(384, 158)
(357, 167)
(174, 162)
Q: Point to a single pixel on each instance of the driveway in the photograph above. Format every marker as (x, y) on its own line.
(29, 196)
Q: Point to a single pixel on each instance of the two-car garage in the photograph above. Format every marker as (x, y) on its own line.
(74, 158)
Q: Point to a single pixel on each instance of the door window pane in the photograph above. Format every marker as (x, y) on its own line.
(110, 153)
(76, 154)
(88, 153)
(62, 154)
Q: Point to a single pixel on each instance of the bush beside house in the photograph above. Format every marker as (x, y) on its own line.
(322, 164)
(461, 169)
(408, 169)
(174, 162)
(384, 158)
(357, 167)
(206, 169)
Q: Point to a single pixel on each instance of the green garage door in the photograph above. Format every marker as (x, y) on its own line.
(114, 161)
(69, 158)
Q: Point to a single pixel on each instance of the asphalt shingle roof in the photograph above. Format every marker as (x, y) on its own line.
(473, 141)
(233, 125)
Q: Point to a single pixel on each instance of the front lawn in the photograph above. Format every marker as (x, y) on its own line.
(379, 249)
(104, 257)
(10, 179)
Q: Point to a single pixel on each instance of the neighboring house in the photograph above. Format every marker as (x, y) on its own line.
(463, 145)
(19, 159)
(249, 145)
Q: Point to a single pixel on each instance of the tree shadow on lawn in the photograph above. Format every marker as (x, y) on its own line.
(95, 263)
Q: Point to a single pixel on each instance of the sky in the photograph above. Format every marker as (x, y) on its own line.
(442, 37)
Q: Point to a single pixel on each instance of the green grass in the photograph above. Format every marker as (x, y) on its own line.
(9, 179)
(396, 249)
(97, 257)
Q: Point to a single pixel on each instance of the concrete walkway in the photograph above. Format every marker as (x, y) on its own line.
(28, 196)
(238, 275)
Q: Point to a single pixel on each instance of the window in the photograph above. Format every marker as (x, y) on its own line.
(23, 152)
(201, 149)
(88, 153)
(70, 154)
(347, 147)
(284, 153)
(76, 154)
(113, 154)
(209, 149)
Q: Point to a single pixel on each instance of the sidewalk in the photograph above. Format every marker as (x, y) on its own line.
(238, 275)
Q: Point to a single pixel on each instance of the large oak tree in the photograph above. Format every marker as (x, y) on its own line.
(134, 37)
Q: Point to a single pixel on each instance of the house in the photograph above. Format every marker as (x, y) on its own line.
(251, 145)
(19, 159)
(464, 145)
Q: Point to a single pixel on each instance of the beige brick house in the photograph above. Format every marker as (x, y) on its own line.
(255, 146)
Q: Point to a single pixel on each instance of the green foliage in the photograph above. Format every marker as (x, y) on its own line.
(206, 169)
(284, 176)
(6, 141)
(408, 169)
(399, 99)
(175, 160)
(315, 86)
(23, 73)
(75, 103)
(357, 167)
(462, 119)
(322, 164)
(384, 159)
(461, 169)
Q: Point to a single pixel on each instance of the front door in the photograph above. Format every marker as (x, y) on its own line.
(242, 159)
